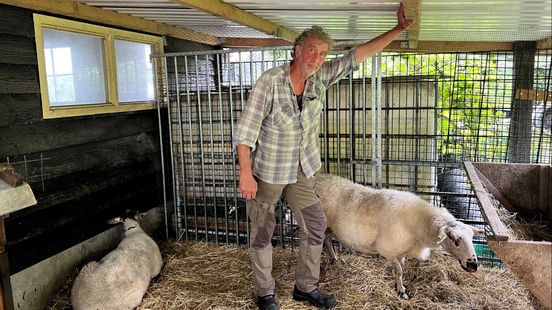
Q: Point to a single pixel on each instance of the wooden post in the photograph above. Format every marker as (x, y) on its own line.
(520, 124)
(6, 298)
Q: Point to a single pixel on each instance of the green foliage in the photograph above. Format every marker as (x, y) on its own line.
(471, 100)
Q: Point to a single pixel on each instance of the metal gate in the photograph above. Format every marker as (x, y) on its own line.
(401, 120)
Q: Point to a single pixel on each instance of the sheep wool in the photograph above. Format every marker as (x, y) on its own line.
(120, 279)
(395, 224)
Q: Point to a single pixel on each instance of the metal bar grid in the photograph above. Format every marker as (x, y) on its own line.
(430, 112)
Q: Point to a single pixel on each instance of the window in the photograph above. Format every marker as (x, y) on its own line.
(86, 69)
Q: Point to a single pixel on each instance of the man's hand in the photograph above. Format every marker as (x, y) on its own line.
(403, 23)
(248, 186)
(367, 49)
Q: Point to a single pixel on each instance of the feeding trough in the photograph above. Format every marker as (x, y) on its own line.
(524, 189)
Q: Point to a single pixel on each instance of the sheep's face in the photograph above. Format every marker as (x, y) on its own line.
(129, 224)
(458, 242)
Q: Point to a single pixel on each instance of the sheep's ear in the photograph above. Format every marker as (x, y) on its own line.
(139, 216)
(115, 220)
(477, 232)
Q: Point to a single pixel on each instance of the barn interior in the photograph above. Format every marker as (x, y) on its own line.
(468, 82)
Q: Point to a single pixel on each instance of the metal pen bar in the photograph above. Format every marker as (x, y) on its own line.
(190, 133)
(158, 107)
(325, 129)
(247, 224)
(379, 127)
(212, 142)
(201, 144)
(338, 132)
(223, 146)
(234, 172)
(374, 111)
(182, 188)
(363, 102)
(352, 127)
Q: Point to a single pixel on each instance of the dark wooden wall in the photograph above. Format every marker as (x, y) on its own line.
(83, 170)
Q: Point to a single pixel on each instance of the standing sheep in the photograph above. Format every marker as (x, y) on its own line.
(120, 279)
(394, 224)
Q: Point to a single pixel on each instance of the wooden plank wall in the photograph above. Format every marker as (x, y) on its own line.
(92, 167)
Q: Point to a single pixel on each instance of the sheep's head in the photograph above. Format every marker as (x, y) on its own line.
(456, 239)
(130, 220)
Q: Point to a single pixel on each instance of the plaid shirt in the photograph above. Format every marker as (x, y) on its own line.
(280, 135)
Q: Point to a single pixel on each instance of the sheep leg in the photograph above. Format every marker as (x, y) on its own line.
(398, 265)
(331, 251)
(329, 246)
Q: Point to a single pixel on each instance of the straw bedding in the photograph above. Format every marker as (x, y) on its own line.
(523, 228)
(200, 275)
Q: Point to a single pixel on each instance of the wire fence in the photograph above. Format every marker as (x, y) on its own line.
(401, 120)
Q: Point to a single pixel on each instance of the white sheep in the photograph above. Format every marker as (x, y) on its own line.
(120, 279)
(394, 224)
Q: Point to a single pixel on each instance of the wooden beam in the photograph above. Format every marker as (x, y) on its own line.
(453, 46)
(237, 15)
(497, 227)
(395, 46)
(544, 43)
(412, 11)
(94, 14)
(533, 94)
(253, 42)
(6, 297)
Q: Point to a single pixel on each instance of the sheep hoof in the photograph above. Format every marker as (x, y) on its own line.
(404, 296)
(339, 260)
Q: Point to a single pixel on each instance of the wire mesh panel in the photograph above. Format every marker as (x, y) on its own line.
(205, 94)
(409, 127)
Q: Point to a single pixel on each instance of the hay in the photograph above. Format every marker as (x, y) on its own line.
(522, 228)
(207, 276)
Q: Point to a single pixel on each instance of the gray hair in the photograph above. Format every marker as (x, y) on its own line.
(316, 32)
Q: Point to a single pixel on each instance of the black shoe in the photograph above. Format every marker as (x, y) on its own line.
(267, 302)
(315, 297)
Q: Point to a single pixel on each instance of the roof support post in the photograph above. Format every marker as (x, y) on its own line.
(519, 138)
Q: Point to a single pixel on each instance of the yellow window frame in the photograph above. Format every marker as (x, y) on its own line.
(108, 35)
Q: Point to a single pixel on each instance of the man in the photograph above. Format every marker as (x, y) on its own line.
(277, 143)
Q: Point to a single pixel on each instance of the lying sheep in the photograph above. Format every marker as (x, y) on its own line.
(394, 224)
(121, 278)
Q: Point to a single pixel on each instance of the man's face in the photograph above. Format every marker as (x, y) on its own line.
(310, 56)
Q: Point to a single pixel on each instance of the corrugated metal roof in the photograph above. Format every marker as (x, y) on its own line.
(466, 20)
(167, 12)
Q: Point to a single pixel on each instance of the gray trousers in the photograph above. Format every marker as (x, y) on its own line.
(306, 208)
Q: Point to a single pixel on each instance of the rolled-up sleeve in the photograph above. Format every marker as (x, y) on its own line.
(337, 68)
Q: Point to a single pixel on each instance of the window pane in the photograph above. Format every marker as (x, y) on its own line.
(134, 71)
(75, 68)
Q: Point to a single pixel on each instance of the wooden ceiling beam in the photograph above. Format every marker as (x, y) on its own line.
(85, 12)
(395, 46)
(544, 44)
(412, 11)
(440, 46)
(253, 42)
(451, 46)
(232, 13)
